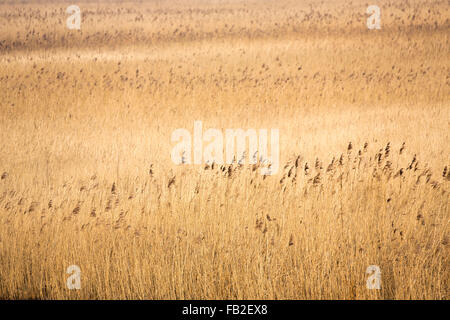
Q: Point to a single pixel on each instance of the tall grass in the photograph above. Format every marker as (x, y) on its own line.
(86, 176)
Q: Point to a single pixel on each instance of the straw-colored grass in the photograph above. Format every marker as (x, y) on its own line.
(86, 176)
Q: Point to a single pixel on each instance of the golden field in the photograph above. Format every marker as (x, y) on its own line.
(86, 118)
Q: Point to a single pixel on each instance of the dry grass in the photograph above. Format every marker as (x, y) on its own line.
(86, 177)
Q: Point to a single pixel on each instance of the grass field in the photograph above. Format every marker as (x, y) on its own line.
(86, 118)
